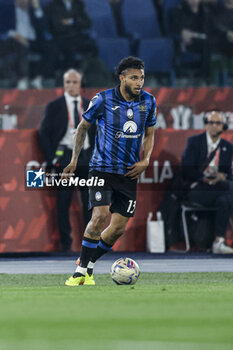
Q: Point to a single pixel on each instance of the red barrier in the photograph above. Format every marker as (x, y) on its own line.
(28, 217)
(177, 108)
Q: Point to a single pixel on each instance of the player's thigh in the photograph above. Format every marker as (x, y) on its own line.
(99, 198)
(124, 200)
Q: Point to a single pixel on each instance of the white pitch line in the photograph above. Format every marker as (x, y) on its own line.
(57, 266)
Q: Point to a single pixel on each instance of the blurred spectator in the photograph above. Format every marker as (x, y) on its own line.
(213, 2)
(190, 23)
(212, 183)
(159, 8)
(56, 137)
(24, 38)
(68, 22)
(116, 6)
(223, 29)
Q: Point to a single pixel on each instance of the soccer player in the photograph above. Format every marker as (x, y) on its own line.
(123, 114)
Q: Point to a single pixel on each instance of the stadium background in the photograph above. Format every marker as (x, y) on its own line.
(28, 217)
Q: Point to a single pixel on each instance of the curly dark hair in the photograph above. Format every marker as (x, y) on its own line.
(129, 62)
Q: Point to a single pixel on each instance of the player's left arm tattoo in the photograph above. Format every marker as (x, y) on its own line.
(79, 139)
(78, 143)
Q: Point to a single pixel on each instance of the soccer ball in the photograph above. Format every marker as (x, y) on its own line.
(125, 271)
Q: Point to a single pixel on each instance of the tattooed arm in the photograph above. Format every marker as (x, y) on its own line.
(78, 143)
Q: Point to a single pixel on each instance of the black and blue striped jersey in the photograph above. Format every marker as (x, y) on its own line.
(120, 128)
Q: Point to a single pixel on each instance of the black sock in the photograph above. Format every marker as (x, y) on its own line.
(89, 271)
(88, 246)
(77, 274)
(100, 250)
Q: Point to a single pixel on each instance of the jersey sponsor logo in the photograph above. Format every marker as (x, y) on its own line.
(130, 127)
(120, 134)
(114, 108)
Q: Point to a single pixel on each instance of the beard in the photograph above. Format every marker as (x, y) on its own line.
(130, 92)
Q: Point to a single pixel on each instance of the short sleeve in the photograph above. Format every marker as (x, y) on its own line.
(91, 114)
(151, 120)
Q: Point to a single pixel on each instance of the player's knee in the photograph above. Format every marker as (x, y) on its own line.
(99, 219)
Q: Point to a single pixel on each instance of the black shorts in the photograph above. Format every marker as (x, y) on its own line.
(119, 192)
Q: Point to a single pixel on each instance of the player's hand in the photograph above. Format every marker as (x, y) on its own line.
(35, 4)
(218, 177)
(230, 36)
(187, 36)
(67, 21)
(221, 176)
(68, 171)
(137, 168)
(23, 41)
(210, 181)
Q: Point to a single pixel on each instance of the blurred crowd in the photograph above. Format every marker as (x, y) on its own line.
(203, 34)
(40, 39)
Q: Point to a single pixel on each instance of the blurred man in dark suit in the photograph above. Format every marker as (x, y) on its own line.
(56, 136)
(68, 23)
(25, 27)
(190, 27)
(223, 29)
(212, 187)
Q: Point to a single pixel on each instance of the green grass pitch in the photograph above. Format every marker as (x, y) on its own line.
(181, 311)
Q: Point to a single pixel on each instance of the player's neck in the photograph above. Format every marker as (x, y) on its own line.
(125, 95)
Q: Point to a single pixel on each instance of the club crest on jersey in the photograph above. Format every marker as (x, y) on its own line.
(98, 196)
(130, 127)
(129, 113)
(142, 108)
